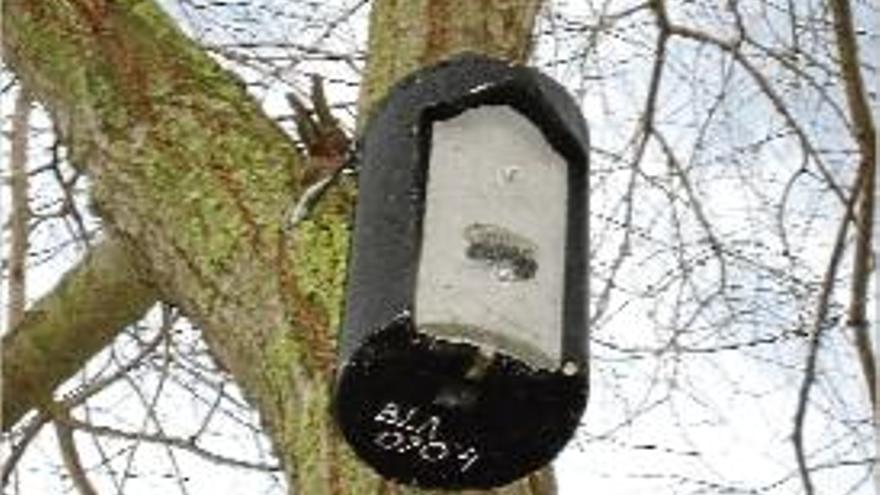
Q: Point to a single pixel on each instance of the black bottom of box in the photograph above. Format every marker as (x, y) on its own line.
(435, 414)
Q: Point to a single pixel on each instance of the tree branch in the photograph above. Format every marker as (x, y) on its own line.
(192, 176)
(819, 326)
(865, 137)
(29, 431)
(81, 315)
(181, 443)
(732, 48)
(18, 245)
(70, 455)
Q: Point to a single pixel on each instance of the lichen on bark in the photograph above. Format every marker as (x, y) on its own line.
(195, 180)
(408, 34)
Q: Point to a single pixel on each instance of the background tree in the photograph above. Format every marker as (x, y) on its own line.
(732, 172)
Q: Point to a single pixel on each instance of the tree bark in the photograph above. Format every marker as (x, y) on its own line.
(195, 180)
(408, 34)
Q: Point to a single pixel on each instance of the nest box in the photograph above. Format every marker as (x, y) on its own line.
(463, 350)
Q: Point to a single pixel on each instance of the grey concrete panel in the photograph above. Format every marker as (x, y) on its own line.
(491, 269)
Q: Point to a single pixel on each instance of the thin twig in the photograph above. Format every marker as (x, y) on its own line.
(20, 214)
(307, 201)
(28, 433)
(70, 456)
(819, 325)
(642, 137)
(177, 442)
(71, 400)
(732, 47)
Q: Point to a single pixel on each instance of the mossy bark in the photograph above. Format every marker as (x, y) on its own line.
(69, 326)
(195, 181)
(408, 34)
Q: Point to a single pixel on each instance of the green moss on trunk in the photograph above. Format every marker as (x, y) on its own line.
(196, 180)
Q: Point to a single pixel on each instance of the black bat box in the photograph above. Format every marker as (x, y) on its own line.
(463, 351)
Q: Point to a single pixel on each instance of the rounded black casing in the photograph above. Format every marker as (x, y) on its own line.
(409, 403)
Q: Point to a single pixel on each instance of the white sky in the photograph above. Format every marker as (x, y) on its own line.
(734, 408)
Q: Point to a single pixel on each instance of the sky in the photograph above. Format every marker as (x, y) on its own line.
(691, 423)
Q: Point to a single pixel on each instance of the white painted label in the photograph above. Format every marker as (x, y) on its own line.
(408, 431)
(491, 271)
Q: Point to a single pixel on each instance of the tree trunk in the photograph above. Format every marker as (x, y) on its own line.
(195, 182)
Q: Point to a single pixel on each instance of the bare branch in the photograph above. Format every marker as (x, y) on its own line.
(865, 136)
(820, 324)
(176, 442)
(643, 134)
(71, 400)
(70, 456)
(732, 47)
(96, 299)
(17, 450)
(20, 216)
